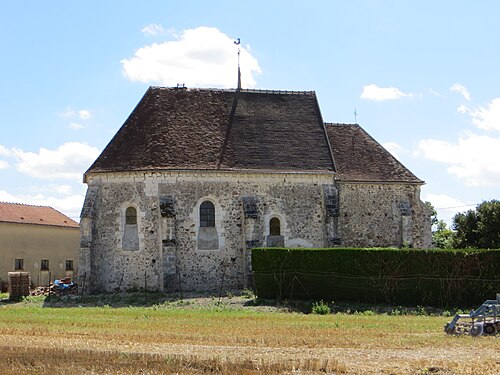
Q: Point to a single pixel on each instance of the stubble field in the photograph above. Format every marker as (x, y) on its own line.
(229, 335)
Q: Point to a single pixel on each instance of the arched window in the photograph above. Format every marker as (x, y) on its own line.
(130, 239)
(207, 214)
(275, 227)
(130, 216)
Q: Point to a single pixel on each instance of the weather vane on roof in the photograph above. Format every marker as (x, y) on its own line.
(238, 42)
(355, 116)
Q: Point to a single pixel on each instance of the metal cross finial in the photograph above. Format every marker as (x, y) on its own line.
(355, 116)
(238, 42)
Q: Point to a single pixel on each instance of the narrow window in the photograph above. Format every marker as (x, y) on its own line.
(69, 265)
(275, 227)
(44, 265)
(130, 239)
(18, 264)
(131, 216)
(207, 214)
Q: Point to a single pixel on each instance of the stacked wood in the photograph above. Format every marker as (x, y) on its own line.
(19, 284)
(54, 290)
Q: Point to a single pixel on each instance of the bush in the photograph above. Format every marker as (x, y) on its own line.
(395, 276)
(320, 308)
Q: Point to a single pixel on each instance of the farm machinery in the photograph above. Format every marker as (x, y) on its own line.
(485, 320)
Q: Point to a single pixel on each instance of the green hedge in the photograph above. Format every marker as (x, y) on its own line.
(397, 276)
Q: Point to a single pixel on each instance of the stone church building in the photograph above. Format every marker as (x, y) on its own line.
(195, 178)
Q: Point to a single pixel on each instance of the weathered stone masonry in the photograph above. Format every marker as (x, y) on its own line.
(168, 254)
(168, 257)
(194, 179)
(383, 215)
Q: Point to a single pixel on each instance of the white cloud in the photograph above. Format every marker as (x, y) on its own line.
(486, 118)
(68, 161)
(75, 126)
(201, 57)
(461, 89)
(68, 113)
(152, 29)
(436, 93)
(63, 189)
(373, 92)
(474, 159)
(394, 148)
(446, 206)
(4, 151)
(82, 114)
(463, 109)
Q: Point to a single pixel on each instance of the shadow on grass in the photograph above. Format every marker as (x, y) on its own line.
(227, 300)
(230, 300)
(356, 308)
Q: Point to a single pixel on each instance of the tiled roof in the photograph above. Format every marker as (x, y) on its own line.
(282, 131)
(359, 157)
(39, 215)
(195, 129)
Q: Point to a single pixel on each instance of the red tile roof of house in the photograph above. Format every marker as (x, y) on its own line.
(38, 215)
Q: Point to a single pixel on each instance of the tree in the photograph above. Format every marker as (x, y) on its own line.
(479, 228)
(442, 236)
(433, 212)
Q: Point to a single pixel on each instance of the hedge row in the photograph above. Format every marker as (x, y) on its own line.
(395, 276)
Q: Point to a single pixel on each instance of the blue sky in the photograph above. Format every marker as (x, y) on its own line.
(422, 76)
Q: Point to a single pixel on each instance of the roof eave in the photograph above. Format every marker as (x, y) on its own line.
(392, 182)
(198, 170)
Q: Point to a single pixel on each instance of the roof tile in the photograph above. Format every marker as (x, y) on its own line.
(359, 157)
(38, 215)
(202, 129)
(192, 129)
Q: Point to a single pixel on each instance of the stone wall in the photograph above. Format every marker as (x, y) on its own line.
(383, 215)
(312, 211)
(168, 257)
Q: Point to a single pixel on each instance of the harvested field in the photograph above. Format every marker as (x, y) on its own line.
(210, 336)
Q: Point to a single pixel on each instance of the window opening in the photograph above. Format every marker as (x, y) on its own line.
(69, 265)
(275, 227)
(207, 214)
(18, 264)
(44, 265)
(131, 216)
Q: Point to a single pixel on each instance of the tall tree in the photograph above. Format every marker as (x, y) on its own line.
(479, 228)
(489, 224)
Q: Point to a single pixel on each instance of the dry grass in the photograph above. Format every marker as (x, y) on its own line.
(167, 339)
(62, 361)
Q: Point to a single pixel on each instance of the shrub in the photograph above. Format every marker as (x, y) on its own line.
(320, 308)
(395, 276)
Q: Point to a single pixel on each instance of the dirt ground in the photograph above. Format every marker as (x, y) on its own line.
(459, 356)
(342, 360)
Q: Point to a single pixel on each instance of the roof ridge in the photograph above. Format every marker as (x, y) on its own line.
(341, 124)
(286, 92)
(26, 204)
(257, 91)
